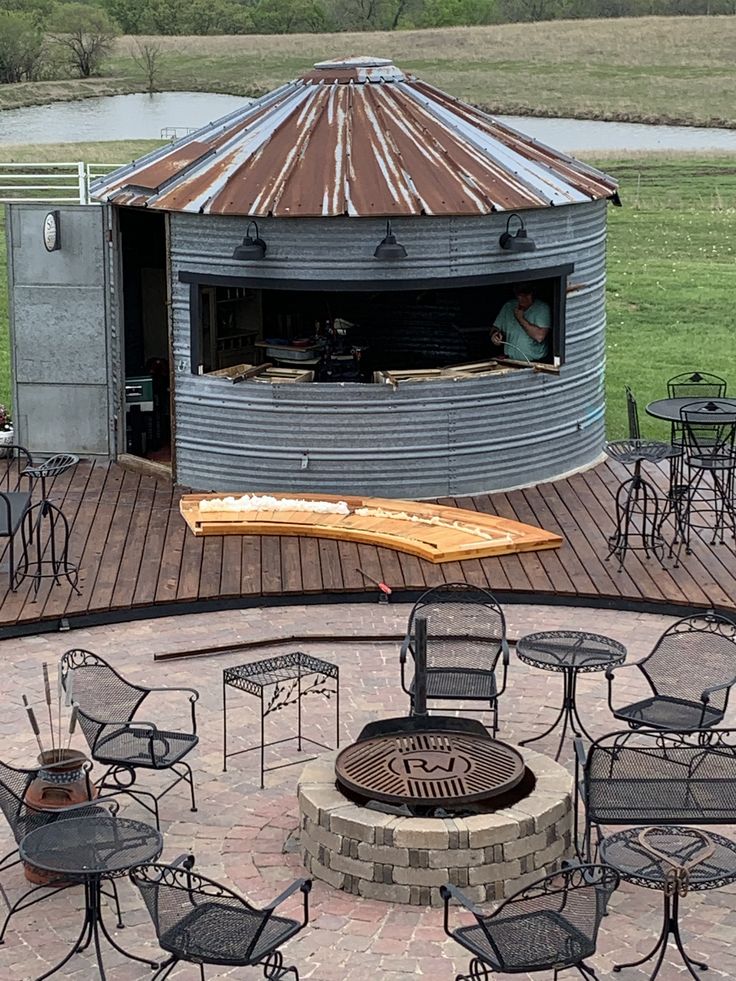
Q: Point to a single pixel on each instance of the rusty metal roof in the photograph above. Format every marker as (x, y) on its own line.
(355, 137)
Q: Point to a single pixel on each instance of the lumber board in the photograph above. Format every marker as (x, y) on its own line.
(439, 533)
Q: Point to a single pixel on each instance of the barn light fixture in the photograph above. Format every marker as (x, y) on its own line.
(388, 247)
(519, 241)
(250, 248)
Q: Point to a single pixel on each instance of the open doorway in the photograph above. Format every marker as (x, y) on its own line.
(146, 335)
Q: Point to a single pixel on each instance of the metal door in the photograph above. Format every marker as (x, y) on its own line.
(60, 329)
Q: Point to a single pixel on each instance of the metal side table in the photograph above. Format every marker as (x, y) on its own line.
(293, 677)
(91, 849)
(569, 652)
(674, 860)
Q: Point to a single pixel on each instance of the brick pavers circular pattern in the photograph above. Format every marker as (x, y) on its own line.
(406, 859)
(248, 838)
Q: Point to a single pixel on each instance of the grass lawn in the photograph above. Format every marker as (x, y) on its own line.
(671, 270)
(644, 68)
(671, 277)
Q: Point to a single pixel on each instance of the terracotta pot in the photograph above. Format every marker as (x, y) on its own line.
(60, 782)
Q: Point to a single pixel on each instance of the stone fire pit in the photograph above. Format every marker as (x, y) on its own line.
(406, 859)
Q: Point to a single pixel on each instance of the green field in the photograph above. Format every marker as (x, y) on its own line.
(671, 270)
(644, 68)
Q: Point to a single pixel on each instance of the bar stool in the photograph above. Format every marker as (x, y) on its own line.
(45, 530)
(638, 510)
(709, 461)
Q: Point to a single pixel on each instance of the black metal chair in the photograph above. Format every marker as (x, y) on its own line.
(696, 385)
(690, 672)
(14, 499)
(709, 464)
(202, 922)
(466, 635)
(551, 925)
(23, 817)
(693, 385)
(107, 704)
(651, 777)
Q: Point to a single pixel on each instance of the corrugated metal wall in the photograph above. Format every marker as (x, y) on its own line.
(421, 440)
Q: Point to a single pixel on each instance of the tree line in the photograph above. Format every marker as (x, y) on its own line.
(42, 39)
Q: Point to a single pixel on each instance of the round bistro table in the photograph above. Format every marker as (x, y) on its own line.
(677, 847)
(669, 409)
(90, 849)
(569, 652)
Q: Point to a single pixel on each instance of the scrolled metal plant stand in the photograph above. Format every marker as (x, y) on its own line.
(287, 673)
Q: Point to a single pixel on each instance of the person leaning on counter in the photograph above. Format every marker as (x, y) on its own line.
(522, 326)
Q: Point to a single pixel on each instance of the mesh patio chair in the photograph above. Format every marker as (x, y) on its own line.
(693, 385)
(690, 672)
(23, 818)
(641, 777)
(551, 925)
(466, 635)
(202, 922)
(107, 705)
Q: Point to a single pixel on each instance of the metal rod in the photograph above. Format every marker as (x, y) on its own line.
(34, 723)
(420, 666)
(47, 692)
(72, 725)
(58, 694)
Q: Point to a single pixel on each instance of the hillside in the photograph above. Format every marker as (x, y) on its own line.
(666, 69)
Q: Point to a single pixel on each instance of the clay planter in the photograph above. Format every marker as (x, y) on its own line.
(60, 782)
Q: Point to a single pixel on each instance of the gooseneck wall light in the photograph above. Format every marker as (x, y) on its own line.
(517, 241)
(388, 247)
(251, 248)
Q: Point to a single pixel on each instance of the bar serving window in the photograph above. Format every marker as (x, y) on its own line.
(384, 326)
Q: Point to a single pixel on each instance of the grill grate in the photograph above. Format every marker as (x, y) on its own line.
(429, 767)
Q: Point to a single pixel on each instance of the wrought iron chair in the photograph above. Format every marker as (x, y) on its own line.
(23, 818)
(693, 385)
(651, 777)
(202, 922)
(709, 460)
(107, 704)
(14, 499)
(551, 925)
(466, 635)
(690, 672)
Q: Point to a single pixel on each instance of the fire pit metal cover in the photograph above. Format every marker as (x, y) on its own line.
(429, 766)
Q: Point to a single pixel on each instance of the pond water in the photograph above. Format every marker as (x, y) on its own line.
(127, 117)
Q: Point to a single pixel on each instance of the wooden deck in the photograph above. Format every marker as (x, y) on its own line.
(137, 558)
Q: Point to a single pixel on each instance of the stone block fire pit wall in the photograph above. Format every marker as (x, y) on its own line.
(406, 859)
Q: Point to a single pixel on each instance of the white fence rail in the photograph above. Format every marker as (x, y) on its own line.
(49, 183)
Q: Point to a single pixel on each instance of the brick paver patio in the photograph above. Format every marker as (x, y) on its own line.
(247, 837)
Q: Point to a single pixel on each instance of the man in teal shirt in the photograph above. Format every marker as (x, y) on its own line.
(522, 326)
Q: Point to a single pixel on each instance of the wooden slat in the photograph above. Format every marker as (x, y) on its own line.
(291, 565)
(310, 565)
(232, 552)
(250, 568)
(130, 564)
(162, 556)
(117, 536)
(271, 565)
(329, 557)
